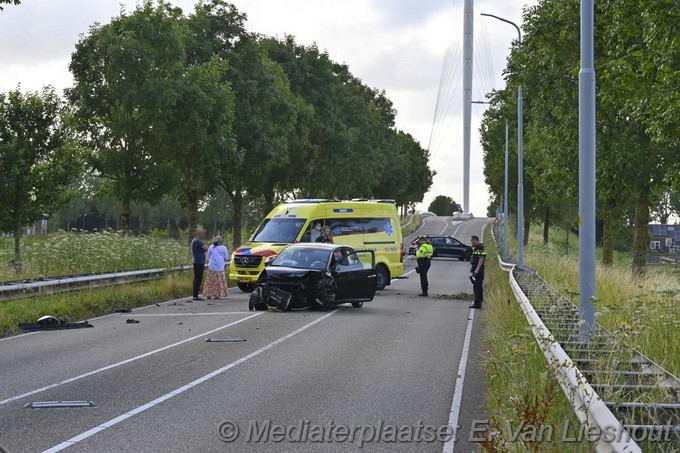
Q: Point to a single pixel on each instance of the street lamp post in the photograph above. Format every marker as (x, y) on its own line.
(505, 206)
(586, 180)
(520, 157)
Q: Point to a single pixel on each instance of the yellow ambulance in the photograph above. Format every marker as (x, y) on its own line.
(361, 224)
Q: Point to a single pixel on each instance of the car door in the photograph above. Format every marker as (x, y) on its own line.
(355, 276)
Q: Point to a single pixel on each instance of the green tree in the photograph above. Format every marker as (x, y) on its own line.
(38, 161)
(10, 2)
(443, 205)
(126, 75)
(200, 133)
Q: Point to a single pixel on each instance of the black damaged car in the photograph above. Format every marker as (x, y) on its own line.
(316, 276)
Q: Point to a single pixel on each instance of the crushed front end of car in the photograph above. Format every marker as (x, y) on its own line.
(286, 289)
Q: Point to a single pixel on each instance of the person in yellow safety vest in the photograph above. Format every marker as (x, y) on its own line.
(424, 256)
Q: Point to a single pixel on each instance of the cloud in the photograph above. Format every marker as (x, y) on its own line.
(396, 45)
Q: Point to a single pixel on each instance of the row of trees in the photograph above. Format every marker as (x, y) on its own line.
(638, 102)
(168, 105)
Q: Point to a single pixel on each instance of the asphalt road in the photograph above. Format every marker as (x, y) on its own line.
(380, 378)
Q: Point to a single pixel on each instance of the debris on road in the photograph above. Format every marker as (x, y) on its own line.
(58, 404)
(123, 310)
(132, 321)
(224, 340)
(51, 323)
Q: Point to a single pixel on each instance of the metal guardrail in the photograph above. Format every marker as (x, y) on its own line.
(64, 284)
(623, 382)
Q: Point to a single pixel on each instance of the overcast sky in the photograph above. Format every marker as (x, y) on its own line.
(395, 45)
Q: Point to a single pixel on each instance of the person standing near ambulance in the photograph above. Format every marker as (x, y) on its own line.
(424, 258)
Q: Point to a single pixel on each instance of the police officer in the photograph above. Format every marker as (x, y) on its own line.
(424, 256)
(477, 271)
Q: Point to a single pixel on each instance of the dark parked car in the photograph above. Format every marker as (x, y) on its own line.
(316, 276)
(445, 246)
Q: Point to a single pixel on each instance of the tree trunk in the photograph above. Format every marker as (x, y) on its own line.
(546, 225)
(17, 264)
(125, 217)
(237, 200)
(640, 241)
(268, 200)
(607, 237)
(192, 212)
(527, 224)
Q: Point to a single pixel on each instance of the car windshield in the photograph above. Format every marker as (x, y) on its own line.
(302, 258)
(279, 230)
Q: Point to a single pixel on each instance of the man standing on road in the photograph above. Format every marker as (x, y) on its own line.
(198, 249)
(424, 256)
(477, 277)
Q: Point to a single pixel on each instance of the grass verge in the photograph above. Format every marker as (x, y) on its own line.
(81, 305)
(78, 253)
(411, 227)
(522, 391)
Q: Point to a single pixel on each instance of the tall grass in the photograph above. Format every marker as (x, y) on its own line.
(520, 386)
(411, 227)
(86, 304)
(642, 312)
(79, 253)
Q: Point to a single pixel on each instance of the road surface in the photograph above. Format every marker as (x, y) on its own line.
(382, 378)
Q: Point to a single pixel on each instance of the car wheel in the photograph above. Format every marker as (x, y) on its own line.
(357, 304)
(246, 287)
(382, 277)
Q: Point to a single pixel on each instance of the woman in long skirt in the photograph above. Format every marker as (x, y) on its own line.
(215, 283)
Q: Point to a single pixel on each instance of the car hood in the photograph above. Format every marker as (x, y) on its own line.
(290, 272)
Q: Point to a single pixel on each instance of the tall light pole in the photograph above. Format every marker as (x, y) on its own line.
(586, 174)
(520, 157)
(505, 206)
(468, 20)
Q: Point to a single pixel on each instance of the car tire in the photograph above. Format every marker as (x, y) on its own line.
(246, 287)
(382, 277)
(357, 304)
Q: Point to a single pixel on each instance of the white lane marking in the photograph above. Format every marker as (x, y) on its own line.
(167, 396)
(115, 365)
(143, 307)
(17, 336)
(192, 314)
(458, 393)
(446, 225)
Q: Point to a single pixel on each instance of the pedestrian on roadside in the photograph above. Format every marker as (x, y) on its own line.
(424, 258)
(215, 282)
(198, 249)
(477, 271)
(326, 236)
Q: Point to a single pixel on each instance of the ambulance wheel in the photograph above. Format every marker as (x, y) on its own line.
(383, 277)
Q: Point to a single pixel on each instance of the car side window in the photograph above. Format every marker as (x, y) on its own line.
(437, 242)
(349, 263)
(451, 241)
